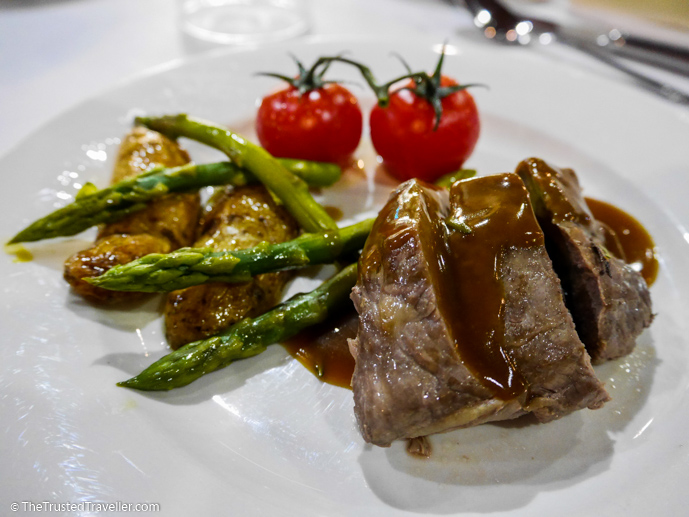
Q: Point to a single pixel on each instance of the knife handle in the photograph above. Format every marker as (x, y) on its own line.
(669, 57)
(651, 84)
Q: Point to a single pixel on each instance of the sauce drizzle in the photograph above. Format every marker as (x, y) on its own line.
(556, 196)
(20, 252)
(334, 212)
(463, 268)
(623, 230)
(323, 348)
(497, 210)
(473, 304)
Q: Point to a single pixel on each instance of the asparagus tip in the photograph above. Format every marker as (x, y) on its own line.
(133, 383)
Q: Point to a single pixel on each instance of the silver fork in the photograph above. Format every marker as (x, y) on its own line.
(501, 24)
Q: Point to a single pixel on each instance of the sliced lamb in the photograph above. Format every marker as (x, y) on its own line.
(609, 301)
(457, 329)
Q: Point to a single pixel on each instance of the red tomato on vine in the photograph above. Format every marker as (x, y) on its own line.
(413, 144)
(311, 119)
(425, 129)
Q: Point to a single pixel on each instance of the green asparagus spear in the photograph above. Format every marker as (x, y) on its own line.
(289, 188)
(193, 266)
(246, 338)
(448, 179)
(315, 174)
(113, 203)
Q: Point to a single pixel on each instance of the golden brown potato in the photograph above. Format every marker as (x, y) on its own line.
(166, 224)
(236, 219)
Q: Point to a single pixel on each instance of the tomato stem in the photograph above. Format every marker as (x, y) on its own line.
(425, 86)
(381, 91)
(306, 79)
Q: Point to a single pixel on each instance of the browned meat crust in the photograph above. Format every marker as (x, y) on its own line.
(609, 301)
(237, 218)
(411, 378)
(542, 340)
(163, 226)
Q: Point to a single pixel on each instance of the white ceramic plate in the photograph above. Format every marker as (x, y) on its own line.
(264, 437)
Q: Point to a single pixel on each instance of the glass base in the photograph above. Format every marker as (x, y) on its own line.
(243, 23)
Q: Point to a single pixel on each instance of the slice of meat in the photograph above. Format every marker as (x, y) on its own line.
(609, 301)
(163, 226)
(236, 219)
(459, 329)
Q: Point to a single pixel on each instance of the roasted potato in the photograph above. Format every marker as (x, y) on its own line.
(165, 225)
(235, 219)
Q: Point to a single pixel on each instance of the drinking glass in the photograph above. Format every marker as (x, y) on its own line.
(244, 21)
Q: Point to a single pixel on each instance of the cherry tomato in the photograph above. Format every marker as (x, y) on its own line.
(323, 124)
(403, 135)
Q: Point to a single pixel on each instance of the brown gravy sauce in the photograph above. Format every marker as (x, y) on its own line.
(465, 273)
(557, 193)
(334, 212)
(472, 298)
(323, 348)
(626, 238)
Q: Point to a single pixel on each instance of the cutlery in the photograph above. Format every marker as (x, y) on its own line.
(503, 25)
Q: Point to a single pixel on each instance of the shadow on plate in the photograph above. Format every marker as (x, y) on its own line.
(128, 316)
(53, 253)
(222, 381)
(504, 466)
